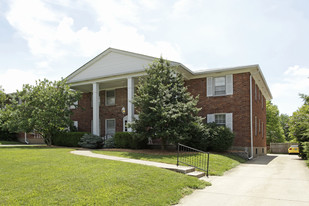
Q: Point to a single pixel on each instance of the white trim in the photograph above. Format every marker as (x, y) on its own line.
(209, 86)
(229, 84)
(96, 109)
(210, 118)
(229, 121)
(130, 99)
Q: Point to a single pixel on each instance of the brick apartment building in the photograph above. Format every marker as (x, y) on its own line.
(234, 97)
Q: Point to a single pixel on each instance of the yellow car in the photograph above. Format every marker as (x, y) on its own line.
(293, 149)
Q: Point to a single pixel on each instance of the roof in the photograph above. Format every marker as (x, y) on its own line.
(118, 62)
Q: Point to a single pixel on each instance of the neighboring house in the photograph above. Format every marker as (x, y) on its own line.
(234, 97)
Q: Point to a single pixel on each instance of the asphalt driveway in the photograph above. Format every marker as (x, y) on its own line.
(268, 180)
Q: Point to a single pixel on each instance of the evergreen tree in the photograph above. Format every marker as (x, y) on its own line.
(167, 111)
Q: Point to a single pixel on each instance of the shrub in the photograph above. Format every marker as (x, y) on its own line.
(210, 137)
(109, 143)
(305, 151)
(220, 138)
(138, 141)
(68, 139)
(123, 139)
(130, 140)
(7, 136)
(91, 141)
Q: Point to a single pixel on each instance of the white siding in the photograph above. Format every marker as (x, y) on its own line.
(209, 87)
(229, 84)
(112, 64)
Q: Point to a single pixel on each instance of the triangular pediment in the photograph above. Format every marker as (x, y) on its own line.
(111, 62)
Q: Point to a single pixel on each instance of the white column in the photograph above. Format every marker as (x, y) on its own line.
(96, 108)
(130, 98)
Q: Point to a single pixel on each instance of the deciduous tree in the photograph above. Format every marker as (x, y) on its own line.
(274, 131)
(43, 108)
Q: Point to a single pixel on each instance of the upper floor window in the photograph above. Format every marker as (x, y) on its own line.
(219, 86)
(110, 97)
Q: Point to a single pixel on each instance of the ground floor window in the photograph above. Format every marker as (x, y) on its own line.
(223, 119)
(110, 127)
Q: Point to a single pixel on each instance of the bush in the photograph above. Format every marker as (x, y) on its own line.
(210, 137)
(109, 143)
(7, 136)
(220, 138)
(122, 139)
(138, 141)
(305, 150)
(130, 140)
(68, 139)
(91, 141)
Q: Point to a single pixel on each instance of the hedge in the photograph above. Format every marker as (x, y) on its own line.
(130, 140)
(68, 139)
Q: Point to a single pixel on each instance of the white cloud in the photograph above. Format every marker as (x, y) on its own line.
(52, 35)
(14, 79)
(295, 80)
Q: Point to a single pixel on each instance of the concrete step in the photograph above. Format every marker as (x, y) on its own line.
(197, 174)
(182, 169)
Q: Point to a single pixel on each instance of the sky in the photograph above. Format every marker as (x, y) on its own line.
(52, 38)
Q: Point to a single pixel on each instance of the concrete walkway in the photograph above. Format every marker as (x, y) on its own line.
(181, 169)
(274, 180)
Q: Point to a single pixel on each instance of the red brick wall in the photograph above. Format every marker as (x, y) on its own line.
(83, 114)
(238, 104)
(259, 111)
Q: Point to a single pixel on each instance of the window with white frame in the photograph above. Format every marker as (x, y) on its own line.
(259, 125)
(220, 119)
(224, 119)
(110, 127)
(75, 123)
(110, 97)
(219, 86)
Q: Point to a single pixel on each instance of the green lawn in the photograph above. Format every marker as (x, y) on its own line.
(218, 163)
(53, 176)
(9, 142)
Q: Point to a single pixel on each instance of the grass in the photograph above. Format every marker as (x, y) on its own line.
(53, 176)
(218, 163)
(9, 142)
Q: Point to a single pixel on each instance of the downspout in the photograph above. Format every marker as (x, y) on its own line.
(26, 141)
(251, 129)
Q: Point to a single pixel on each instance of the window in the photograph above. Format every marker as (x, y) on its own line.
(110, 127)
(224, 119)
(220, 119)
(262, 101)
(219, 86)
(110, 97)
(75, 123)
(259, 125)
(262, 129)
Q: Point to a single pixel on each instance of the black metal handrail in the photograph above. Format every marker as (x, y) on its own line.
(193, 157)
